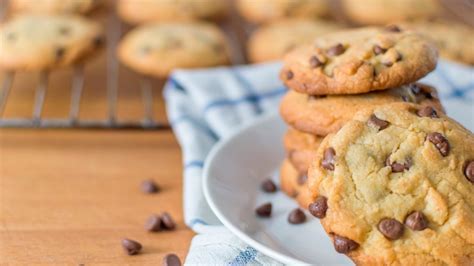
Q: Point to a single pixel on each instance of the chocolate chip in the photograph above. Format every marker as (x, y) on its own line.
(421, 91)
(390, 228)
(399, 167)
(149, 186)
(469, 171)
(171, 260)
(416, 221)
(329, 159)
(440, 142)
(296, 216)
(314, 62)
(98, 40)
(132, 247)
(289, 74)
(153, 224)
(427, 111)
(301, 179)
(264, 210)
(378, 123)
(268, 186)
(388, 63)
(319, 207)
(393, 28)
(379, 50)
(344, 245)
(59, 52)
(336, 50)
(167, 221)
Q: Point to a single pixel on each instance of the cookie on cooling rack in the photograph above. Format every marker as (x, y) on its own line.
(359, 61)
(37, 42)
(53, 6)
(272, 41)
(269, 10)
(138, 12)
(157, 49)
(395, 186)
(327, 114)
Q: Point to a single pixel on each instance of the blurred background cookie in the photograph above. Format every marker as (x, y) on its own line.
(157, 49)
(36, 42)
(53, 6)
(267, 10)
(272, 41)
(137, 12)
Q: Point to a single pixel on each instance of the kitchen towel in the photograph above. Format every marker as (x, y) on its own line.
(206, 105)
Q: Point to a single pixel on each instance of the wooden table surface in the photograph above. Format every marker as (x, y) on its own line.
(68, 196)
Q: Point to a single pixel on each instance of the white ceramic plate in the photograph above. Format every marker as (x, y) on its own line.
(232, 176)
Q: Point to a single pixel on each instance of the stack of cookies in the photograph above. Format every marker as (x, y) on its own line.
(371, 153)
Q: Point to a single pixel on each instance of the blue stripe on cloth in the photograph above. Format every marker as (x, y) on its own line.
(247, 86)
(197, 221)
(175, 84)
(244, 257)
(252, 98)
(195, 163)
(456, 91)
(196, 123)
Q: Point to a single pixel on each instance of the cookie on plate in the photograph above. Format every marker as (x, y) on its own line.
(53, 6)
(454, 40)
(300, 148)
(327, 114)
(389, 11)
(268, 10)
(294, 185)
(138, 12)
(395, 186)
(270, 42)
(37, 42)
(359, 61)
(156, 49)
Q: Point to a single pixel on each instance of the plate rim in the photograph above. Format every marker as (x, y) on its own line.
(227, 223)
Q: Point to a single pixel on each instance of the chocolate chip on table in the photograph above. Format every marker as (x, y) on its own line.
(427, 111)
(268, 186)
(416, 221)
(296, 216)
(167, 221)
(171, 260)
(440, 142)
(153, 224)
(344, 245)
(319, 207)
(378, 123)
(329, 159)
(149, 186)
(393, 28)
(264, 210)
(314, 62)
(379, 50)
(336, 50)
(302, 179)
(289, 74)
(391, 228)
(132, 247)
(469, 171)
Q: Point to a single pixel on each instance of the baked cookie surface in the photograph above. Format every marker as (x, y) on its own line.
(395, 186)
(267, 10)
(157, 49)
(294, 184)
(389, 11)
(143, 11)
(359, 61)
(300, 148)
(36, 42)
(272, 41)
(53, 6)
(327, 114)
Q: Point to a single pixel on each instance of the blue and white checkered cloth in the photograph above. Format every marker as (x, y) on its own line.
(206, 105)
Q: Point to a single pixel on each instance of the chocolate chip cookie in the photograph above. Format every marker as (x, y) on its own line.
(36, 42)
(271, 41)
(300, 148)
(270, 10)
(359, 61)
(142, 11)
(53, 6)
(294, 184)
(395, 186)
(321, 115)
(388, 11)
(157, 49)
